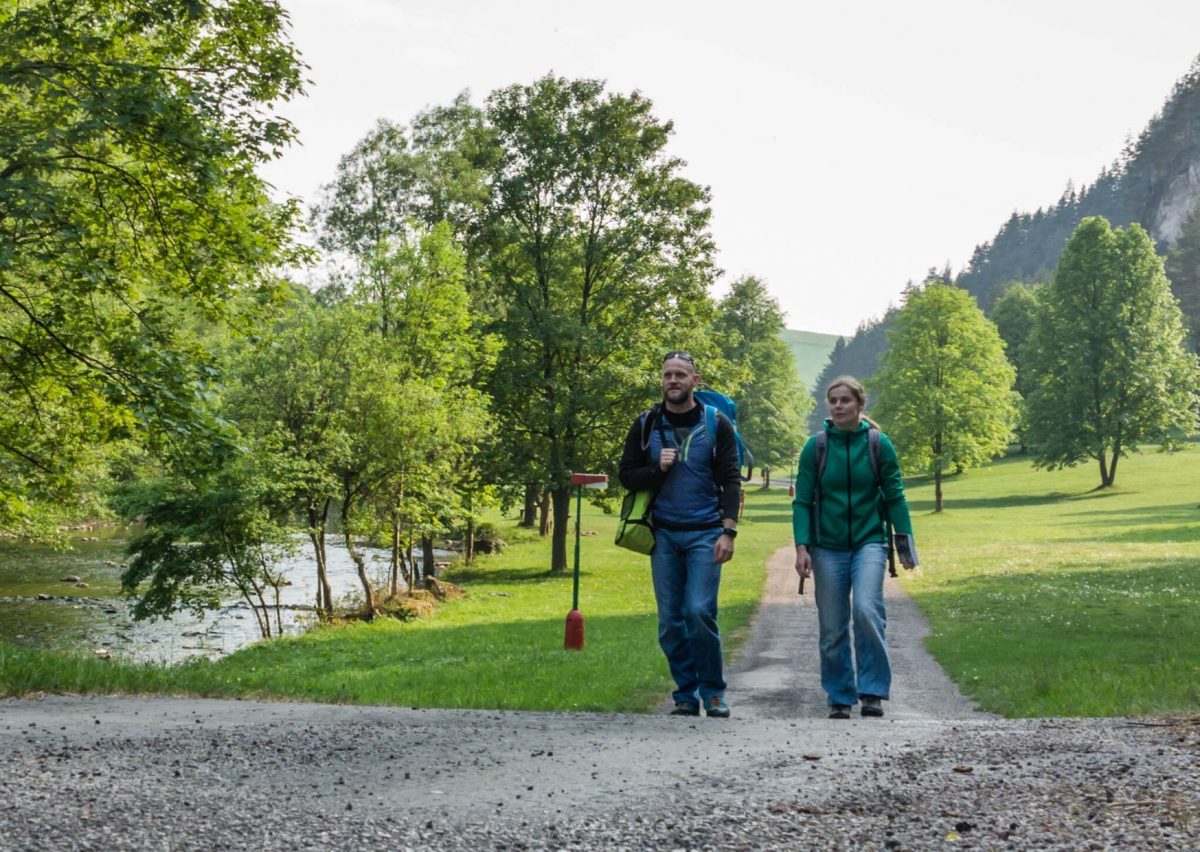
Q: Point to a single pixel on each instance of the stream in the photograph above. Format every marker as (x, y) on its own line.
(72, 600)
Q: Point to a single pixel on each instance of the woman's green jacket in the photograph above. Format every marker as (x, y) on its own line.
(852, 507)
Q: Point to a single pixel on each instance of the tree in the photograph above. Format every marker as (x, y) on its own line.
(600, 255)
(944, 392)
(1183, 269)
(214, 526)
(129, 212)
(772, 403)
(1014, 314)
(1109, 368)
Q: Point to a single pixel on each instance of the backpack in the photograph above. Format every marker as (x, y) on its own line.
(822, 446)
(710, 398)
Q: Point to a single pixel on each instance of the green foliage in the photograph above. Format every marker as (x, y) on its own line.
(1183, 269)
(945, 390)
(772, 403)
(600, 255)
(1109, 370)
(211, 531)
(1014, 314)
(130, 211)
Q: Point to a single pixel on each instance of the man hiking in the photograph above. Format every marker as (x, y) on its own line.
(687, 453)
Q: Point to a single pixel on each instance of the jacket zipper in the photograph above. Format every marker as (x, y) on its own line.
(849, 500)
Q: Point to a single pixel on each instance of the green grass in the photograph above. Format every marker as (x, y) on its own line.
(501, 646)
(811, 351)
(1049, 598)
(1045, 597)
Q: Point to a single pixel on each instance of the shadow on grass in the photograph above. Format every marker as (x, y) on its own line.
(1006, 501)
(469, 576)
(772, 515)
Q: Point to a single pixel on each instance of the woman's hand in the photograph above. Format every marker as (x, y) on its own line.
(803, 561)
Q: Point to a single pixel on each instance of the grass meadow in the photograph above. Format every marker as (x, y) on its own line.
(1049, 598)
(1045, 598)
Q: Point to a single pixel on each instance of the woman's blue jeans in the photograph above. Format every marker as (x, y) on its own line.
(686, 582)
(848, 587)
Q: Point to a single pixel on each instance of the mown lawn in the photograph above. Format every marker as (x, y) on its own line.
(1049, 598)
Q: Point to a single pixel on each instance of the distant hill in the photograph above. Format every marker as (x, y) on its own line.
(811, 351)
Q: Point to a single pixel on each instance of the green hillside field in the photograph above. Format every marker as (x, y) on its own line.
(811, 351)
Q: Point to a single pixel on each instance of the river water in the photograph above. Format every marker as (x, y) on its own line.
(43, 605)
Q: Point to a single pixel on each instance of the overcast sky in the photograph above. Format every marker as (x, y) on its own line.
(849, 146)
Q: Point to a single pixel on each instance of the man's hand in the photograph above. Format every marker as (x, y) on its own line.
(666, 458)
(803, 561)
(723, 549)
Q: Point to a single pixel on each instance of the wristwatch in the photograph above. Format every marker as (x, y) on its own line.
(729, 531)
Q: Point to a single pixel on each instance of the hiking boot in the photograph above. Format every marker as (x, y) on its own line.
(716, 707)
(871, 706)
(686, 708)
(839, 711)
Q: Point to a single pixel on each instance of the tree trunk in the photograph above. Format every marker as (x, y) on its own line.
(562, 517)
(413, 579)
(428, 569)
(547, 522)
(316, 525)
(469, 541)
(360, 565)
(1104, 477)
(360, 562)
(530, 507)
(766, 475)
(395, 556)
(937, 472)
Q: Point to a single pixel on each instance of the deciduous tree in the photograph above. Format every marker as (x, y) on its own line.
(944, 392)
(1109, 368)
(600, 254)
(129, 210)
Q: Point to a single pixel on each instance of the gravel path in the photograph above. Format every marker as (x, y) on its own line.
(164, 773)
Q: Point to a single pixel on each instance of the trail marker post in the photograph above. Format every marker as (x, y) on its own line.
(573, 640)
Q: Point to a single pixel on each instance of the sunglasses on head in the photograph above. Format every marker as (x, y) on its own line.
(682, 356)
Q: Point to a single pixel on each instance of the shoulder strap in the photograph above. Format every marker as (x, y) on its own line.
(873, 453)
(710, 426)
(647, 419)
(822, 444)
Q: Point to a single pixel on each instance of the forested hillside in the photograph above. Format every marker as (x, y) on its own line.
(1154, 181)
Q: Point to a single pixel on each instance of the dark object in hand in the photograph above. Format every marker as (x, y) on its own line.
(801, 584)
(906, 549)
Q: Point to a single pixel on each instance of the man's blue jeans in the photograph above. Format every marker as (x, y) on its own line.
(848, 587)
(686, 581)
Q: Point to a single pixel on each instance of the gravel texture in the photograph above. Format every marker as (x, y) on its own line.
(167, 773)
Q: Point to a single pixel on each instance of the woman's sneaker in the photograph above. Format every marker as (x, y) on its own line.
(871, 706)
(839, 711)
(716, 707)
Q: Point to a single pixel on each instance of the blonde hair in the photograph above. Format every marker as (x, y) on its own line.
(856, 390)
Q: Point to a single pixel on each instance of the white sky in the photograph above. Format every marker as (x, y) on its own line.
(849, 146)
